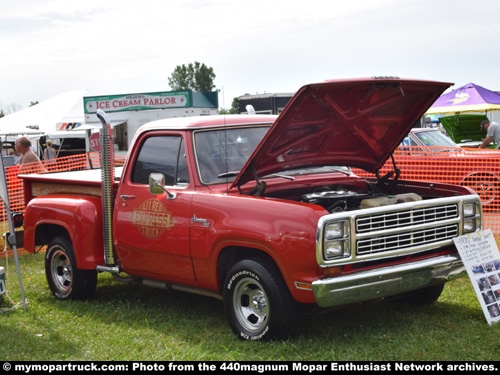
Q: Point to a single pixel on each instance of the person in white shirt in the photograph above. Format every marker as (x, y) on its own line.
(492, 133)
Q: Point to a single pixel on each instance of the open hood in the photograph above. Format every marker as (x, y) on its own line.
(356, 123)
(464, 128)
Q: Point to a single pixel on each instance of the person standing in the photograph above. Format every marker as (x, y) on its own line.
(29, 162)
(49, 154)
(492, 133)
(17, 156)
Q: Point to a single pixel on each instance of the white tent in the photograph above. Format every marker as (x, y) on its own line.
(47, 115)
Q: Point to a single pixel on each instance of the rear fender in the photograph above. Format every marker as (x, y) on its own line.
(79, 216)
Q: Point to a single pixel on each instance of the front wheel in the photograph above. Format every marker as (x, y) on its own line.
(65, 280)
(257, 302)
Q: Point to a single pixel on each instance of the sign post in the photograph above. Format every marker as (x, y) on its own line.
(11, 234)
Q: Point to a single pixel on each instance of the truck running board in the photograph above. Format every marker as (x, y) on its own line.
(181, 288)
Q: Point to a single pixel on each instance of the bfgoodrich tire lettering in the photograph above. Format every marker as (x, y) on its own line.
(257, 302)
(65, 280)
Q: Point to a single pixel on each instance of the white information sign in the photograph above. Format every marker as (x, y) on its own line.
(481, 258)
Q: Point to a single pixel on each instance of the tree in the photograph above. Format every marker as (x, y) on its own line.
(196, 77)
(231, 111)
(12, 108)
(234, 106)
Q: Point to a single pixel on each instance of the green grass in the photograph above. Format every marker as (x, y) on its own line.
(134, 322)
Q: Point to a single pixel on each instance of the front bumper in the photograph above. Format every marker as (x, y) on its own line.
(386, 282)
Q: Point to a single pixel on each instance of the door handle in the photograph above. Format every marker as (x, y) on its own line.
(126, 197)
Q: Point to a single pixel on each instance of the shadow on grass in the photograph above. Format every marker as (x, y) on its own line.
(185, 315)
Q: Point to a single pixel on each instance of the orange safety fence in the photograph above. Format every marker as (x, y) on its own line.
(15, 184)
(477, 169)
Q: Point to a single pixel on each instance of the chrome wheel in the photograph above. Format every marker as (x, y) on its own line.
(257, 302)
(250, 304)
(61, 271)
(65, 279)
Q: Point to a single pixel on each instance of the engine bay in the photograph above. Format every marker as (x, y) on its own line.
(346, 200)
(335, 200)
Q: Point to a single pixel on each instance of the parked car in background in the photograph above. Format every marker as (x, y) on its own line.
(427, 154)
(427, 137)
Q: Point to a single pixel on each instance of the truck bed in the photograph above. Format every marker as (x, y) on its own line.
(79, 182)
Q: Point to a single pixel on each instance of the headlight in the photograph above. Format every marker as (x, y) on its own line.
(472, 221)
(336, 241)
(335, 230)
(469, 209)
(337, 249)
(470, 225)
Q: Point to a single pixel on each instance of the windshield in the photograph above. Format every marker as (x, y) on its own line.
(221, 153)
(435, 138)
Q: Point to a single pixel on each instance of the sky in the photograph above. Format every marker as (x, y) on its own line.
(263, 46)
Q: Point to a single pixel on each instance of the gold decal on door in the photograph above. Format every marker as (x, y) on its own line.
(152, 219)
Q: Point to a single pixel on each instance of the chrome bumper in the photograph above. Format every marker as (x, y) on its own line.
(386, 282)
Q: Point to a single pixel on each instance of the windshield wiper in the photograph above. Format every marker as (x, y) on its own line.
(228, 174)
(347, 173)
(291, 178)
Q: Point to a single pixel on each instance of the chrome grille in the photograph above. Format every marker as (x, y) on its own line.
(405, 240)
(400, 228)
(400, 219)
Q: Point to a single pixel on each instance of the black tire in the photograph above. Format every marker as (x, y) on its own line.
(424, 296)
(65, 280)
(257, 302)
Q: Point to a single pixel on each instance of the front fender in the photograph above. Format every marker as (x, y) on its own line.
(80, 216)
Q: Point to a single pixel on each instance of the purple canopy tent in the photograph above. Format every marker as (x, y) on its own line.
(468, 98)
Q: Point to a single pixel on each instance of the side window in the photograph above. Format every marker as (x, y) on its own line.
(163, 154)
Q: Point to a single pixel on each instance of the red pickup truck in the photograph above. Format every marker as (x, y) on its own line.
(260, 211)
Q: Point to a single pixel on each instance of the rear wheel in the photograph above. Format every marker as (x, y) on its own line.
(65, 280)
(257, 302)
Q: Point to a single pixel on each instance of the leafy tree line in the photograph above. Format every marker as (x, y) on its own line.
(197, 77)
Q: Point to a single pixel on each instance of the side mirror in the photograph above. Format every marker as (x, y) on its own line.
(157, 183)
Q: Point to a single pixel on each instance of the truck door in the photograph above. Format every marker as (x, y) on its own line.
(151, 232)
